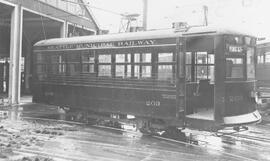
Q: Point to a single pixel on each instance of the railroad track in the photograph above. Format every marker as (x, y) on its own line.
(253, 138)
(188, 142)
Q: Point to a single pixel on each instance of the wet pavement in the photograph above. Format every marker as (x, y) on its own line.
(23, 136)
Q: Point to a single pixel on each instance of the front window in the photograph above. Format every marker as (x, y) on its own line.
(234, 68)
(240, 57)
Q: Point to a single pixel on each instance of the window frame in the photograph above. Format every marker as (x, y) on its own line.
(243, 67)
(98, 63)
(142, 64)
(89, 53)
(171, 63)
(193, 65)
(127, 62)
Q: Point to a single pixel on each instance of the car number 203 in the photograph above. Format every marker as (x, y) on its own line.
(153, 103)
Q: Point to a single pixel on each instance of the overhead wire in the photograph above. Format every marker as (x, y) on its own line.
(42, 23)
(94, 7)
(83, 4)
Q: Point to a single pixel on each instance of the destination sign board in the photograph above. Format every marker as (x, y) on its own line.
(234, 49)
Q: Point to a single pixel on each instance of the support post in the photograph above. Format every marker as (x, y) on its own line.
(64, 30)
(15, 55)
(27, 67)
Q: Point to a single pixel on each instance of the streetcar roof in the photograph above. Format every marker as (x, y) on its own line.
(152, 34)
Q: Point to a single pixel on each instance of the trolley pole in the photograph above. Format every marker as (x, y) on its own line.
(145, 11)
(205, 13)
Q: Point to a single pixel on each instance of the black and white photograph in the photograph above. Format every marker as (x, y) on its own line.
(134, 80)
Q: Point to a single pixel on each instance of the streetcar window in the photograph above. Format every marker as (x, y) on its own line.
(104, 66)
(41, 68)
(146, 71)
(40, 58)
(250, 63)
(73, 57)
(201, 72)
(142, 68)
(104, 70)
(123, 65)
(188, 66)
(102, 58)
(165, 57)
(201, 58)
(142, 57)
(88, 61)
(203, 66)
(267, 57)
(120, 58)
(234, 68)
(137, 71)
(128, 71)
(188, 57)
(205, 72)
(188, 73)
(234, 40)
(88, 68)
(211, 59)
(165, 72)
(74, 68)
(248, 40)
(120, 70)
(165, 66)
(211, 73)
(58, 65)
(73, 62)
(146, 57)
(260, 59)
(88, 57)
(136, 57)
(128, 58)
(56, 58)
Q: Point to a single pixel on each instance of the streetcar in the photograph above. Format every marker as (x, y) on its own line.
(197, 77)
(263, 72)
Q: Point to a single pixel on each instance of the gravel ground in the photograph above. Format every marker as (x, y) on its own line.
(20, 134)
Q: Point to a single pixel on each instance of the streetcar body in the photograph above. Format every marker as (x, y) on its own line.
(263, 72)
(201, 77)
